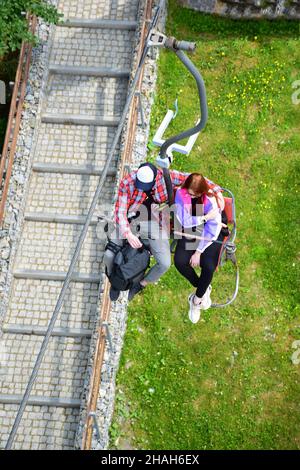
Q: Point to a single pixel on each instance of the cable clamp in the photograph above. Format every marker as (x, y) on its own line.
(156, 39)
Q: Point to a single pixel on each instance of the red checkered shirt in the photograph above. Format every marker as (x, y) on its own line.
(129, 197)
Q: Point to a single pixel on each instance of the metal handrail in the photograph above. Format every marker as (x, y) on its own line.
(14, 119)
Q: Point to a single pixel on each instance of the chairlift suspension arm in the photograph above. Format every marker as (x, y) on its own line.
(160, 40)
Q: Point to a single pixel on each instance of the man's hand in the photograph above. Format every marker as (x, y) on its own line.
(195, 259)
(134, 241)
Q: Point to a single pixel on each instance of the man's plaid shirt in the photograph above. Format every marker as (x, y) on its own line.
(129, 197)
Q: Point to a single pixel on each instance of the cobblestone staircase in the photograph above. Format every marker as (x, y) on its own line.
(89, 66)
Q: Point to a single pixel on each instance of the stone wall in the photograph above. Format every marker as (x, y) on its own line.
(247, 9)
(118, 312)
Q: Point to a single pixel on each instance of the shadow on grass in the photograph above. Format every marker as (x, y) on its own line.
(191, 22)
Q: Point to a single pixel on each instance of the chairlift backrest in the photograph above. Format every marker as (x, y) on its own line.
(229, 209)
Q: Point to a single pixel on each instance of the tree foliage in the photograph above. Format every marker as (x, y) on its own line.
(13, 24)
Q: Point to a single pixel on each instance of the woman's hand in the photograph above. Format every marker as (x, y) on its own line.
(212, 214)
(195, 259)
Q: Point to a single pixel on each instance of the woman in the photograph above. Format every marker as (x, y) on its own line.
(197, 204)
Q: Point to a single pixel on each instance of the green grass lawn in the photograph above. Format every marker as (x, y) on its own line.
(227, 382)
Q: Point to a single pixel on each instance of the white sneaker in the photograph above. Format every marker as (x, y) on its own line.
(206, 300)
(195, 310)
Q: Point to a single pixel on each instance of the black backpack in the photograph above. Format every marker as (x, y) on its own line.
(129, 265)
(169, 186)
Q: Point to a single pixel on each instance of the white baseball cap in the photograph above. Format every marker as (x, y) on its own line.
(145, 177)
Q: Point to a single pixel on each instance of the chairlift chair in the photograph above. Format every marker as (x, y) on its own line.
(167, 147)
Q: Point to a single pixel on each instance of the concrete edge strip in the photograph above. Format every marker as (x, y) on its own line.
(89, 71)
(79, 120)
(41, 331)
(42, 275)
(40, 401)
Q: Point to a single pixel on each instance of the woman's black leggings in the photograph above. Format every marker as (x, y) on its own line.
(208, 263)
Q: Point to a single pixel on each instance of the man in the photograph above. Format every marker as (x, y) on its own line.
(143, 189)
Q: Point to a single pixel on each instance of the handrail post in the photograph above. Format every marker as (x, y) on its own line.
(15, 112)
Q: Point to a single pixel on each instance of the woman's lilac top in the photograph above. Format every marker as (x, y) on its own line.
(211, 228)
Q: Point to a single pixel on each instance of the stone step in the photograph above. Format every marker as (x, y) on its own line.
(97, 48)
(88, 71)
(78, 119)
(61, 219)
(98, 24)
(42, 427)
(75, 145)
(50, 247)
(62, 371)
(40, 401)
(42, 274)
(90, 97)
(41, 167)
(67, 194)
(35, 293)
(102, 9)
(41, 331)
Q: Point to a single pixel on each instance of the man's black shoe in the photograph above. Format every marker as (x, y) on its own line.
(113, 294)
(135, 289)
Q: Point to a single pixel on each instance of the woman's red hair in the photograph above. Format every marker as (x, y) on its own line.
(198, 184)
